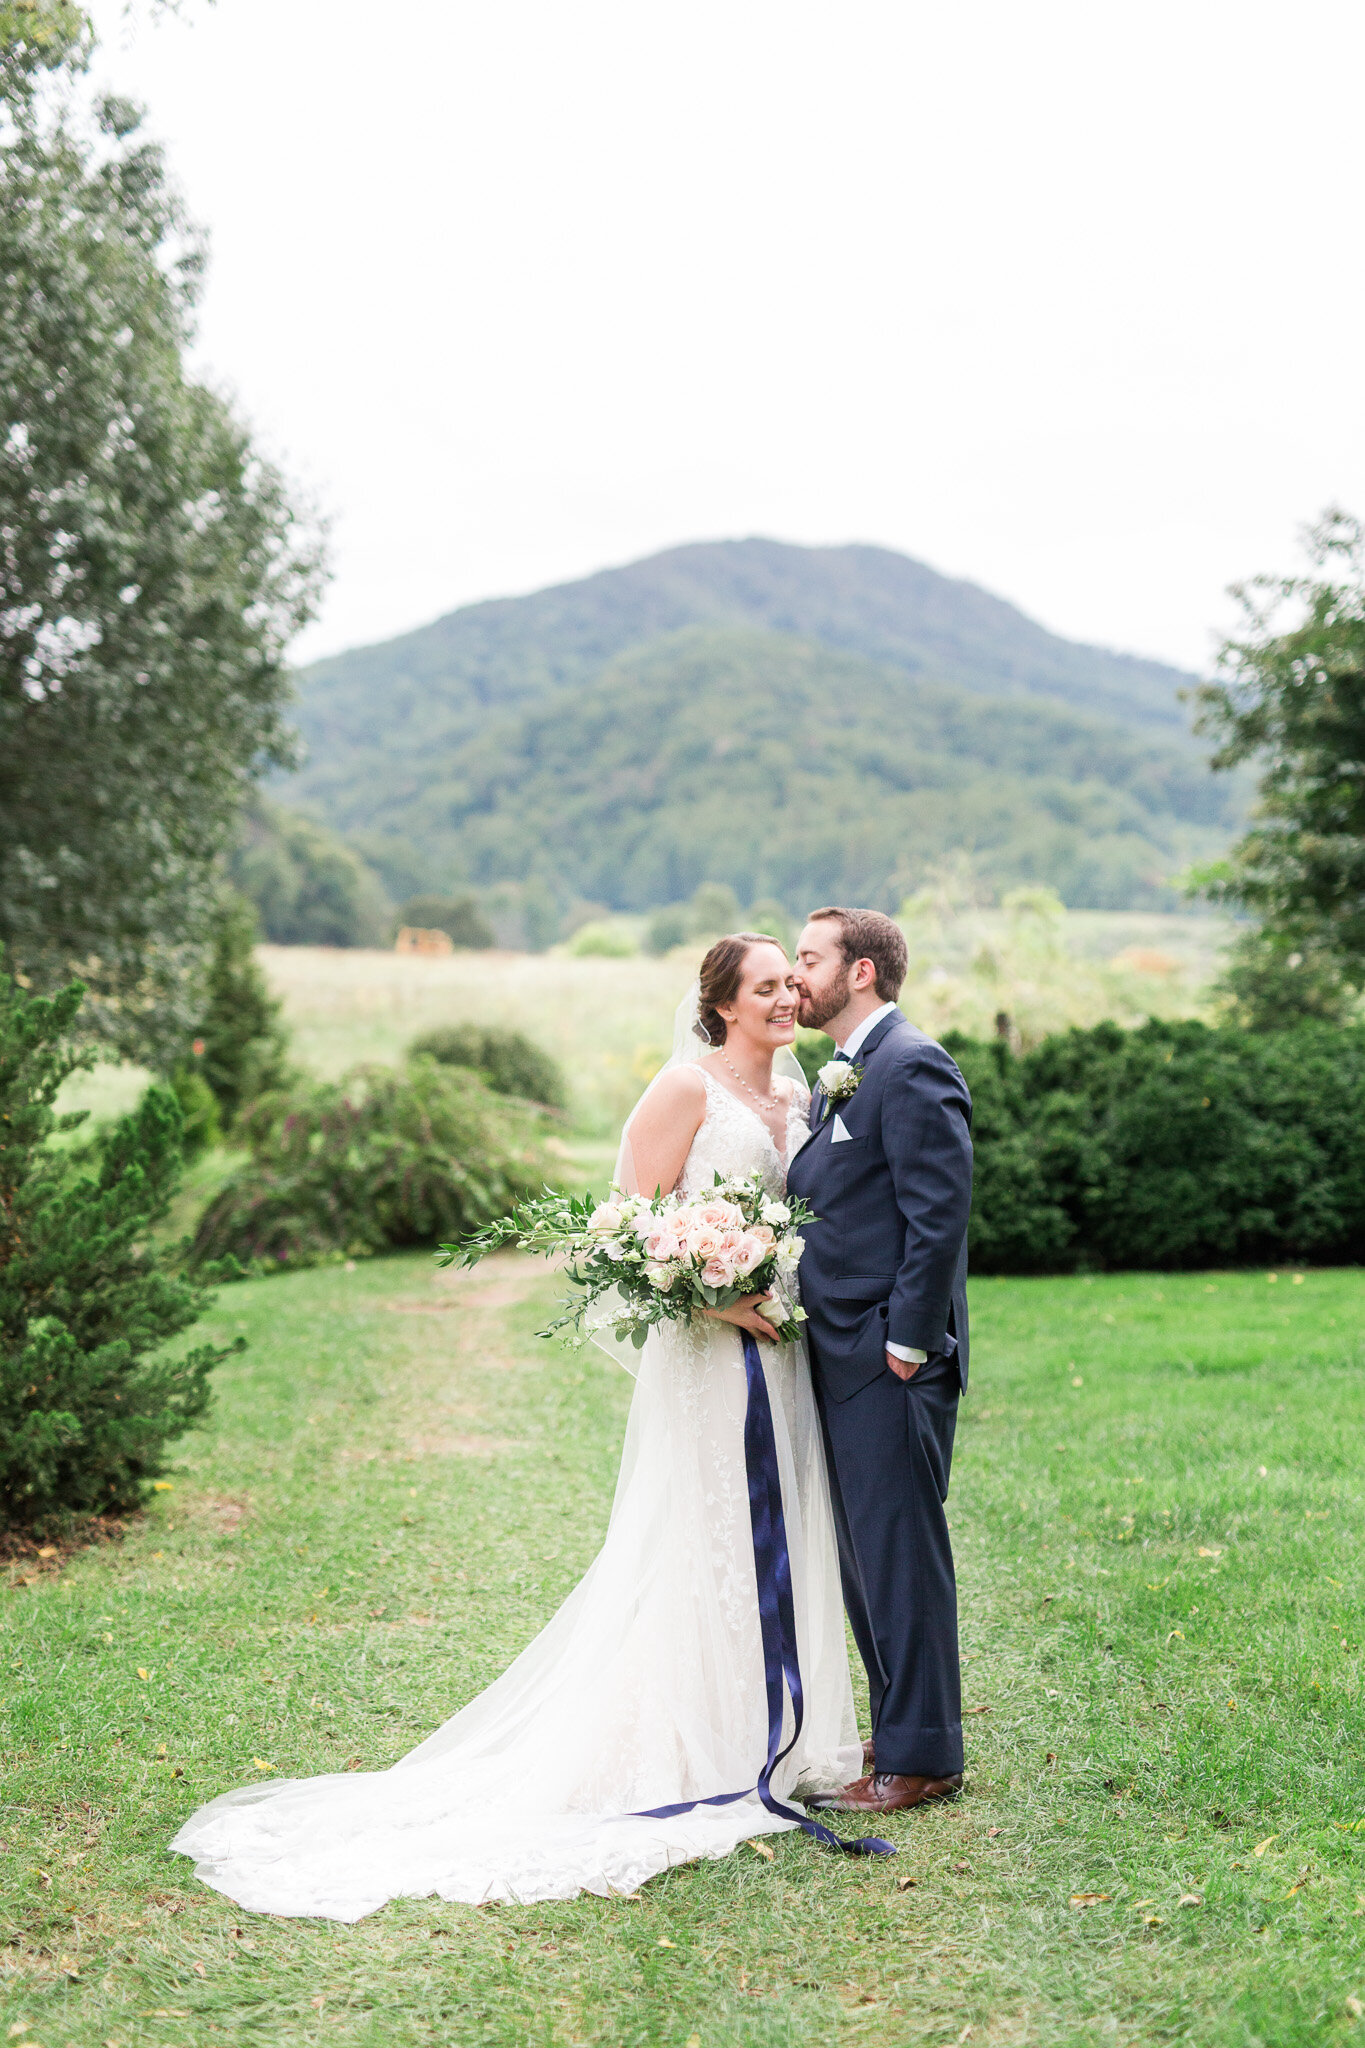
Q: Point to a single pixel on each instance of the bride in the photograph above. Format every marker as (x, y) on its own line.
(647, 1692)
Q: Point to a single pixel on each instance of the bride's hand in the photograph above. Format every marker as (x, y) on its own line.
(745, 1315)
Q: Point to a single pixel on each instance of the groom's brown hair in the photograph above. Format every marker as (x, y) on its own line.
(868, 935)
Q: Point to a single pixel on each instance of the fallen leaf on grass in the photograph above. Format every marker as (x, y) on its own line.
(991, 1833)
(1261, 1847)
(1203, 1552)
(318, 2002)
(1190, 1899)
(1152, 1920)
(1140, 1903)
(976, 1710)
(761, 1849)
(906, 1884)
(1355, 2008)
(258, 1763)
(143, 1672)
(1298, 1887)
(666, 1944)
(200, 1971)
(1088, 1898)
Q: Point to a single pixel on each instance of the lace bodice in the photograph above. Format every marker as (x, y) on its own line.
(733, 1140)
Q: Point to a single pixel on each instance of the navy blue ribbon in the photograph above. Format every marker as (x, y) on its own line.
(777, 1620)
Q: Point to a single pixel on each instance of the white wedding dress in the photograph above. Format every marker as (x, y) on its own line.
(646, 1689)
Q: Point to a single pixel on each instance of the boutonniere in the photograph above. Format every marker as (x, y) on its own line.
(839, 1079)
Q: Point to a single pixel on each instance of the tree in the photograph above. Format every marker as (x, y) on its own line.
(1270, 984)
(89, 1397)
(309, 886)
(1292, 696)
(152, 567)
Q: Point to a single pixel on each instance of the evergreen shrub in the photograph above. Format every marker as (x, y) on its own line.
(201, 1126)
(511, 1063)
(1173, 1146)
(89, 1397)
(379, 1159)
(240, 1051)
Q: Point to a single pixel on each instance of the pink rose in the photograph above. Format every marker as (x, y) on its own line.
(720, 1215)
(705, 1241)
(719, 1271)
(749, 1252)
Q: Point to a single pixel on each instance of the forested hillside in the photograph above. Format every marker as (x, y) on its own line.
(791, 721)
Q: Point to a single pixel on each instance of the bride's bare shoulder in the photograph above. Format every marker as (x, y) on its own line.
(676, 1092)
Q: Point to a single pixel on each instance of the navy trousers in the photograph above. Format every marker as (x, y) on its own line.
(890, 1447)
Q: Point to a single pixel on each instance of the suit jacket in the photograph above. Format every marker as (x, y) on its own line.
(886, 1260)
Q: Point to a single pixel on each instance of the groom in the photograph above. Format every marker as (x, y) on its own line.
(888, 1173)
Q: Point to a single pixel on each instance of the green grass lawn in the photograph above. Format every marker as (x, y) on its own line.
(1158, 1510)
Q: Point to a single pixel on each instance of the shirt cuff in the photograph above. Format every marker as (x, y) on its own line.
(910, 1353)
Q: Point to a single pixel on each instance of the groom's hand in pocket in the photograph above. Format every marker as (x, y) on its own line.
(903, 1368)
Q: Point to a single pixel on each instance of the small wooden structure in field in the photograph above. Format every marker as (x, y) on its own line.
(413, 938)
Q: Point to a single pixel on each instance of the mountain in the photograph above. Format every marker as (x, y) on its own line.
(795, 721)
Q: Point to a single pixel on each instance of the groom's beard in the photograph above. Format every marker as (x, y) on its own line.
(814, 1011)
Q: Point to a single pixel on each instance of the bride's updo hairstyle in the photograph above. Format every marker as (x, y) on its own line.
(722, 971)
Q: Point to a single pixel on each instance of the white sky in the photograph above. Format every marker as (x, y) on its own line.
(1065, 297)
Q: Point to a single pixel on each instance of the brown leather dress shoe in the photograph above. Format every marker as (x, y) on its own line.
(886, 1794)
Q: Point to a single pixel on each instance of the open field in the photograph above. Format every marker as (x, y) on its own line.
(611, 1021)
(1158, 1507)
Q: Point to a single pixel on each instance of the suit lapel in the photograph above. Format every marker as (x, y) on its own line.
(864, 1052)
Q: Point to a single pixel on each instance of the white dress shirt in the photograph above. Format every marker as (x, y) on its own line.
(910, 1353)
(856, 1036)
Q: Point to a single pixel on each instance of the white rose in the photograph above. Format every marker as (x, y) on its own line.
(789, 1254)
(776, 1213)
(830, 1074)
(606, 1218)
(614, 1249)
(660, 1276)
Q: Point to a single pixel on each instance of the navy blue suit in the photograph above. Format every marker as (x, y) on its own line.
(886, 1261)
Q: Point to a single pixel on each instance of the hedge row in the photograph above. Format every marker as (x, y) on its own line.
(1172, 1146)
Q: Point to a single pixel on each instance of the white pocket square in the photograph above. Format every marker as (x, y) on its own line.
(841, 1134)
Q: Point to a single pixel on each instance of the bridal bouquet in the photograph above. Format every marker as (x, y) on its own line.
(642, 1261)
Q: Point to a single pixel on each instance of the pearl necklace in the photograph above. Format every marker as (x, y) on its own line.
(765, 1101)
